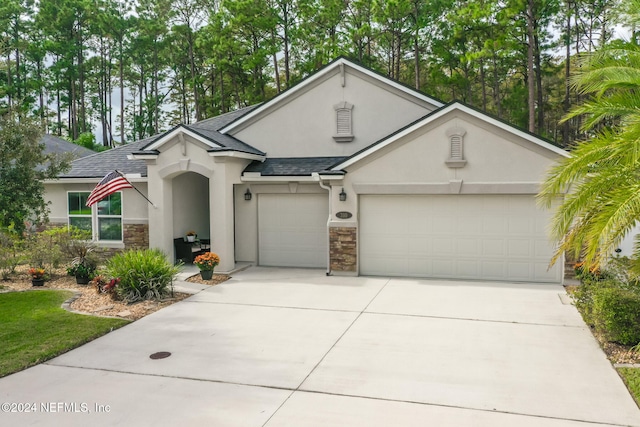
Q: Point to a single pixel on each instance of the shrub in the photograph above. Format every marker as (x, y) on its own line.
(616, 313)
(583, 295)
(10, 252)
(75, 243)
(46, 247)
(102, 286)
(144, 274)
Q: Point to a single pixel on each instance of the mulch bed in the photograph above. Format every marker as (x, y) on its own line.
(89, 301)
(215, 280)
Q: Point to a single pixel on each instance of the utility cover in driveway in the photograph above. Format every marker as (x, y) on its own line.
(490, 237)
(293, 230)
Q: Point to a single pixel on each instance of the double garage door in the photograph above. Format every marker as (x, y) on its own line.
(490, 237)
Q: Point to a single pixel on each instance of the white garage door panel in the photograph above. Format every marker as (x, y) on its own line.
(293, 230)
(492, 237)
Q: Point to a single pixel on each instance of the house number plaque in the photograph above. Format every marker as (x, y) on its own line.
(344, 215)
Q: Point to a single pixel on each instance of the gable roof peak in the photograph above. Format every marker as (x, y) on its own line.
(340, 62)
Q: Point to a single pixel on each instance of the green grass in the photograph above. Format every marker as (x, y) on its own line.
(35, 328)
(631, 377)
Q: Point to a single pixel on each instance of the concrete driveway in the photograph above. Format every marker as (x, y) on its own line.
(287, 347)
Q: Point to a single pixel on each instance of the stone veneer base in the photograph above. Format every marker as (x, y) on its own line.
(343, 250)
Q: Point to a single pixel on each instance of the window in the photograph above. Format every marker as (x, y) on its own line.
(110, 217)
(104, 219)
(79, 212)
(344, 131)
(456, 148)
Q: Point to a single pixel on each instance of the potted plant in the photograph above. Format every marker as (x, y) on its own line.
(37, 276)
(206, 263)
(83, 269)
(191, 236)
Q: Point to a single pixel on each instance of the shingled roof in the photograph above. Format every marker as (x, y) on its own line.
(98, 165)
(53, 144)
(208, 129)
(293, 166)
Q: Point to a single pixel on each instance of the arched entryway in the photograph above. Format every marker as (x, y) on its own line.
(191, 205)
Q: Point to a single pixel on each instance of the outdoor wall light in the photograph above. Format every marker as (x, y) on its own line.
(247, 194)
(343, 196)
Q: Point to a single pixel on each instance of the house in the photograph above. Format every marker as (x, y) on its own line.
(347, 171)
(53, 144)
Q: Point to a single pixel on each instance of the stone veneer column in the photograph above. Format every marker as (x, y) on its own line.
(343, 249)
(136, 236)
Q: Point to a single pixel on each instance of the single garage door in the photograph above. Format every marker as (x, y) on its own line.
(488, 237)
(292, 230)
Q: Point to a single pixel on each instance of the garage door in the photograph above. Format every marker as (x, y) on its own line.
(487, 237)
(292, 230)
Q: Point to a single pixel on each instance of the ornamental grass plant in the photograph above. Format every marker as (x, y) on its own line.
(143, 274)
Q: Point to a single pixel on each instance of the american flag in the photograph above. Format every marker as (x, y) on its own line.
(111, 183)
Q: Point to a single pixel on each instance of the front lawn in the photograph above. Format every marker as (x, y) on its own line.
(631, 377)
(35, 328)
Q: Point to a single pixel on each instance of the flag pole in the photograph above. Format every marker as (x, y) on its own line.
(133, 186)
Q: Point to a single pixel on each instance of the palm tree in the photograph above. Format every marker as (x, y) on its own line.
(601, 178)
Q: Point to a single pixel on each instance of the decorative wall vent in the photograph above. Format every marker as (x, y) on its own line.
(456, 148)
(344, 131)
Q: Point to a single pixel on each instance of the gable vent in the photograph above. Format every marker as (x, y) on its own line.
(456, 146)
(344, 131)
(344, 122)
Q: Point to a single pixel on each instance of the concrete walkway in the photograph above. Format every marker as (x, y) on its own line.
(290, 347)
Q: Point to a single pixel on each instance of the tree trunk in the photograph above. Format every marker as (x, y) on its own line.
(192, 64)
(567, 81)
(416, 55)
(530, 73)
(496, 86)
(9, 81)
(539, 92)
(121, 78)
(275, 66)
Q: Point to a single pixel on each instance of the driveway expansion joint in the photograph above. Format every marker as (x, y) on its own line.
(334, 310)
(509, 322)
(493, 411)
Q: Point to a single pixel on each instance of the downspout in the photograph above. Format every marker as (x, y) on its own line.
(316, 176)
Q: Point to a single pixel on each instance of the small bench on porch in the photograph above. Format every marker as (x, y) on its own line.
(188, 251)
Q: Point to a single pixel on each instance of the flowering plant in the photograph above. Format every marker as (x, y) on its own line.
(207, 261)
(36, 273)
(191, 233)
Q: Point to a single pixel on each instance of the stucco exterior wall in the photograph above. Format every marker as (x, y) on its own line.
(497, 163)
(134, 206)
(177, 189)
(490, 154)
(191, 205)
(246, 213)
(305, 125)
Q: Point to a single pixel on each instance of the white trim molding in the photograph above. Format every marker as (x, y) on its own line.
(180, 131)
(336, 66)
(456, 106)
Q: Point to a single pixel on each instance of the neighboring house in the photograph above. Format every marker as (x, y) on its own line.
(53, 144)
(348, 171)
